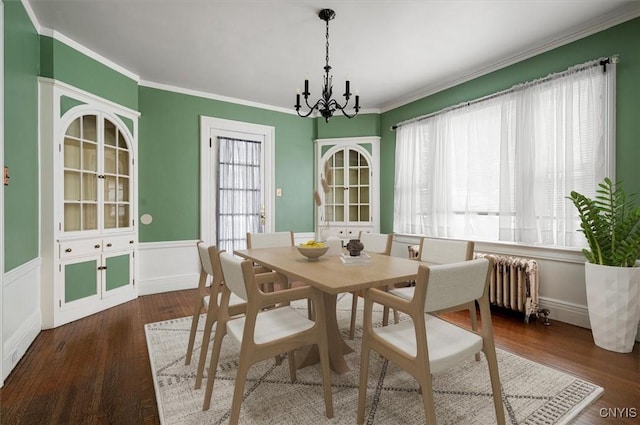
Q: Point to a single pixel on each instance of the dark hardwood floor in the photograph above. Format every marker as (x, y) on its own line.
(96, 370)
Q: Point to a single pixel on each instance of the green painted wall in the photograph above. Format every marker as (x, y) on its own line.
(169, 131)
(621, 39)
(169, 153)
(66, 64)
(21, 62)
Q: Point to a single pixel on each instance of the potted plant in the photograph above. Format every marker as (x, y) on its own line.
(611, 225)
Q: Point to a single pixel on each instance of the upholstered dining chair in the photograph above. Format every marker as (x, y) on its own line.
(427, 344)
(208, 299)
(261, 333)
(269, 240)
(378, 243)
(434, 251)
(273, 240)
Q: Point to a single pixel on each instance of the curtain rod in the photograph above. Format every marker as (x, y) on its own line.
(576, 68)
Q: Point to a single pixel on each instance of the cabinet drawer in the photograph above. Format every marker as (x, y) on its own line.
(72, 249)
(118, 243)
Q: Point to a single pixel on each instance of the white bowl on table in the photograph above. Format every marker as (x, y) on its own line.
(313, 253)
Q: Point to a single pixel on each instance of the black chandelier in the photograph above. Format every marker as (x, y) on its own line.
(326, 105)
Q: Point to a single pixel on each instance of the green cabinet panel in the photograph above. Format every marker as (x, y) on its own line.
(118, 271)
(81, 280)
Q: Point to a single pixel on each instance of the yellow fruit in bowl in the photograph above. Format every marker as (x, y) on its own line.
(312, 244)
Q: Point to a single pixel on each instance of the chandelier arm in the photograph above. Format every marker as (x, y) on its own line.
(343, 107)
(311, 109)
(315, 106)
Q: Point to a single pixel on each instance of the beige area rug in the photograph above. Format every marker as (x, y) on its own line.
(532, 393)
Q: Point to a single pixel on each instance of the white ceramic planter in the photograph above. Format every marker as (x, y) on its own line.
(613, 299)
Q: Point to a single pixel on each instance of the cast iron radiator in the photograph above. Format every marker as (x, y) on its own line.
(513, 284)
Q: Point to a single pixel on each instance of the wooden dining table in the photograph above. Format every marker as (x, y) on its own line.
(332, 277)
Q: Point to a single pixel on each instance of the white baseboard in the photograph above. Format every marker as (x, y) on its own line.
(573, 314)
(167, 284)
(563, 311)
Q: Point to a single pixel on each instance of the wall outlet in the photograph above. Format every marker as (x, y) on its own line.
(278, 192)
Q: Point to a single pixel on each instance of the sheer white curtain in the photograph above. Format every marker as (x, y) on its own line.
(239, 192)
(500, 168)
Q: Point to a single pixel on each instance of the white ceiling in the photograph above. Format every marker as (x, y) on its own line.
(261, 51)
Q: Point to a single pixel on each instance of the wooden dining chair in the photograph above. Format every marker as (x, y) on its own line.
(378, 243)
(261, 333)
(427, 344)
(274, 240)
(207, 299)
(269, 240)
(434, 251)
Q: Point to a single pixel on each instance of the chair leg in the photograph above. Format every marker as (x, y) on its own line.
(194, 328)
(309, 310)
(492, 361)
(427, 399)
(364, 376)
(385, 316)
(474, 323)
(354, 309)
(292, 366)
(241, 378)
(204, 348)
(326, 379)
(213, 364)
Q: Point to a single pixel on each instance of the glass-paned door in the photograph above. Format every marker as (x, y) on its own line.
(117, 204)
(348, 199)
(239, 192)
(81, 175)
(97, 175)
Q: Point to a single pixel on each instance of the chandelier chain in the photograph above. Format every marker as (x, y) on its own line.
(327, 46)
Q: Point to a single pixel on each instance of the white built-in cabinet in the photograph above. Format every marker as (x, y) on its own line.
(88, 200)
(347, 182)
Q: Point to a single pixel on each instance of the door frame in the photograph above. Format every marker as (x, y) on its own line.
(1, 190)
(209, 126)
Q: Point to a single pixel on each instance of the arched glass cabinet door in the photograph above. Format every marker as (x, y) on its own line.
(348, 199)
(97, 175)
(117, 178)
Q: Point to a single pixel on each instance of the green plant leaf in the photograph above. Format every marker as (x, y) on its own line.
(611, 225)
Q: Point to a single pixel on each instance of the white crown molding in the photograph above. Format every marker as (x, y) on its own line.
(213, 96)
(233, 100)
(75, 45)
(620, 16)
(88, 52)
(32, 15)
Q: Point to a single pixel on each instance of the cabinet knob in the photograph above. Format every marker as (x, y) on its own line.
(96, 246)
(68, 250)
(131, 241)
(109, 245)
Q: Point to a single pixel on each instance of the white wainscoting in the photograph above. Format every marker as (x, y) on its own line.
(21, 312)
(167, 266)
(172, 266)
